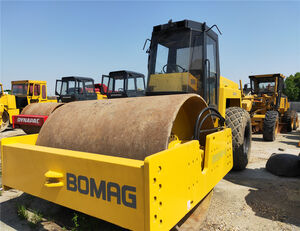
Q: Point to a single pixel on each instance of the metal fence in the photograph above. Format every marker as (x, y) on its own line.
(295, 106)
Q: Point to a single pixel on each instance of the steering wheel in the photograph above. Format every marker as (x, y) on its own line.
(120, 89)
(173, 67)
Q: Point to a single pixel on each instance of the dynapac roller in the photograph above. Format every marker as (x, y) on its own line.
(143, 163)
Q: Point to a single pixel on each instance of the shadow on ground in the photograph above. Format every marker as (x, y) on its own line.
(258, 139)
(294, 135)
(271, 197)
(56, 217)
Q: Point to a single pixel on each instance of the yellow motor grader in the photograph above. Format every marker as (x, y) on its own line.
(268, 106)
(143, 163)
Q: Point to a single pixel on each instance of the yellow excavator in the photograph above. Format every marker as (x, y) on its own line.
(143, 163)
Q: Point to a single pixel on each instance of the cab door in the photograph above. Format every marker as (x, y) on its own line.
(211, 69)
(36, 92)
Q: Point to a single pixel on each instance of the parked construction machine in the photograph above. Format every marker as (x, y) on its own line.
(143, 163)
(74, 88)
(123, 83)
(117, 84)
(68, 89)
(23, 93)
(268, 106)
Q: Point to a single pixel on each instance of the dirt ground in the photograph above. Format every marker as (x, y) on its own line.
(252, 199)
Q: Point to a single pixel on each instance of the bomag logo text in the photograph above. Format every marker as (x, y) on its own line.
(105, 190)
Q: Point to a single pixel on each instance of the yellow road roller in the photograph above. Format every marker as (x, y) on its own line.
(142, 163)
(23, 93)
(68, 89)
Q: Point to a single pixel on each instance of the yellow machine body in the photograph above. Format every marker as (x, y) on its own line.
(176, 82)
(229, 93)
(8, 105)
(134, 194)
(101, 96)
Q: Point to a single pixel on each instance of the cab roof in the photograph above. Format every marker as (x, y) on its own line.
(188, 24)
(267, 76)
(28, 81)
(77, 78)
(125, 74)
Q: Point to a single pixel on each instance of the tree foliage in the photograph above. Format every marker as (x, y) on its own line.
(292, 90)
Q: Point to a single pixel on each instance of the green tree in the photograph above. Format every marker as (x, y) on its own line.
(292, 90)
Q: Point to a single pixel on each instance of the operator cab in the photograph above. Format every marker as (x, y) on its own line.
(267, 84)
(184, 58)
(75, 88)
(123, 83)
(28, 91)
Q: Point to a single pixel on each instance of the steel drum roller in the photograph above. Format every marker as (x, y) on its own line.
(128, 127)
(44, 109)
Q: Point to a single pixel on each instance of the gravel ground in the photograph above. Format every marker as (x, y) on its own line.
(252, 199)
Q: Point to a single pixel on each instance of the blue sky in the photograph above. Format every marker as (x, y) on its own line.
(48, 39)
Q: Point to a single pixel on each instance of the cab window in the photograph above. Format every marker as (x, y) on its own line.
(31, 89)
(140, 85)
(44, 94)
(80, 87)
(36, 89)
(211, 67)
(89, 87)
(19, 89)
(130, 84)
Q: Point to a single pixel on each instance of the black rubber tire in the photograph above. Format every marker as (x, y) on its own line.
(269, 125)
(5, 121)
(287, 119)
(239, 121)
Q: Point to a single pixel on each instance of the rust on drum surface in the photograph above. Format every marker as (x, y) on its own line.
(44, 109)
(128, 127)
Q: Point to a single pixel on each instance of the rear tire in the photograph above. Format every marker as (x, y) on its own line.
(5, 121)
(239, 121)
(287, 119)
(270, 125)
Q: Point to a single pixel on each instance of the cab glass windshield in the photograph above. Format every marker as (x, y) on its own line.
(264, 86)
(19, 89)
(177, 57)
(89, 87)
(172, 52)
